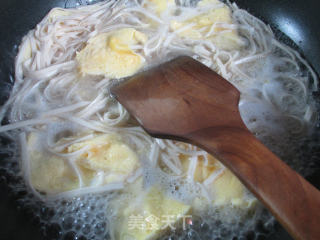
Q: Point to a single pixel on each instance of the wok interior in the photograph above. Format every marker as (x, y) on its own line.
(15, 35)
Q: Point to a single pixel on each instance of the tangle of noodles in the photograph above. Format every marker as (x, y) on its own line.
(50, 96)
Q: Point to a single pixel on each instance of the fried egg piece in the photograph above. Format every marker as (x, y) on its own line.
(225, 189)
(111, 54)
(106, 159)
(149, 207)
(48, 173)
(107, 153)
(200, 26)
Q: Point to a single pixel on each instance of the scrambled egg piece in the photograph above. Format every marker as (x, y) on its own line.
(106, 156)
(221, 37)
(159, 6)
(49, 173)
(228, 189)
(225, 189)
(110, 54)
(109, 154)
(202, 171)
(150, 209)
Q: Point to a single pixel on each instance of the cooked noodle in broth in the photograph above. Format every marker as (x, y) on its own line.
(80, 148)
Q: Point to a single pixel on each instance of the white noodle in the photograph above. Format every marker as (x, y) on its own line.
(192, 168)
(86, 190)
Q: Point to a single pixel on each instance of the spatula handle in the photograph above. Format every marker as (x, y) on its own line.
(290, 198)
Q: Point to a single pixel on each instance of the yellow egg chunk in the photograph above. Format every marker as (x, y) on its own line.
(159, 6)
(226, 189)
(49, 173)
(110, 54)
(143, 218)
(201, 25)
(105, 155)
(109, 154)
(204, 171)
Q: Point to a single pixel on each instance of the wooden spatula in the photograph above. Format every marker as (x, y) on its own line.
(185, 100)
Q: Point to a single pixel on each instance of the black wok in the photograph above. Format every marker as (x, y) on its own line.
(296, 23)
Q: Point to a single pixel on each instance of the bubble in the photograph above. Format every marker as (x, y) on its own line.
(54, 231)
(100, 228)
(86, 228)
(81, 238)
(73, 3)
(70, 236)
(67, 223)
(46, 213)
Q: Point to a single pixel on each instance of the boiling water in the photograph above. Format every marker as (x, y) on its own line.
(90, 216)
